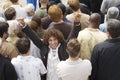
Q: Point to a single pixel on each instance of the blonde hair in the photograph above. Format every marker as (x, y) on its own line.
(8, 50)
(55, 13)
(74, 4)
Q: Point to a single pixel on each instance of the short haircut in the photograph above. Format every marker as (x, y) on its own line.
(73, 48)
(52, 32)
(10, 13)
(14, 1)
(43, 1)
(112, 13)
(74, 4)
(55, 13)
(50, 3)
(3, 28)
(63, 8)
(23, 45)
(113, 27)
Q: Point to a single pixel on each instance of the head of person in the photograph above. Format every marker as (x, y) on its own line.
(30, 9)
(10, 13)
(113, 28)
(14, 28)
(37, 19)
(23, 45)
(43, 1)
(50, 3)
(74, 4)
(55, 13)
(112, 13)
(4, 30)
(73, 48)
(53, 37)
(14, 1)
(8, 50)
(63, 8)
(34, 26)
(95, 19)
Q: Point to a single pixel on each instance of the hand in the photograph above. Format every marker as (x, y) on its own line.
(21, 21)
(77, 18)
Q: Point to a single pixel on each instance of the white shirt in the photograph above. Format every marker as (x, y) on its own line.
(20, 11)
(52, 62)
(74, 70)
(28, 67)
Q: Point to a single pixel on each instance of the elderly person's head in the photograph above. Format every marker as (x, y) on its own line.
(30, 9)
(113, 28)
(112, 13)
(14, 28)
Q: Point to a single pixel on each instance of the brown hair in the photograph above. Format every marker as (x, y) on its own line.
(73, 48)
(74, 4)
(10, 13)
(52, 32)
(23, 45)
(33, 25)
(55, 13)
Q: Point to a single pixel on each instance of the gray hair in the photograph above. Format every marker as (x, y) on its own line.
(112, 13)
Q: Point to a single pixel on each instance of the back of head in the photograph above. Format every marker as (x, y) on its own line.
(14, 1)
(63, 8)
(43, 1)
(73, 48)
(23, 45)
(55, 13)
(34, 26)
(74, 4)
(113, 27)
(112, 13)
(50, 3)
(10, 13)
(3, 28)
(37, 19)
(95, 18)
(8, 50)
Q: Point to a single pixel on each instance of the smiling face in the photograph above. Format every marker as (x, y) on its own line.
(53, 42)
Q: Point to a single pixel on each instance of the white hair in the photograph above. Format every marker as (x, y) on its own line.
(29, 7)
(113, 13)
(13, 24)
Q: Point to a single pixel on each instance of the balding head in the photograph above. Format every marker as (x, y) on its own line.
(95, 19)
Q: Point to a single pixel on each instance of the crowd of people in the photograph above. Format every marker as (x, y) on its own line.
(60, 40)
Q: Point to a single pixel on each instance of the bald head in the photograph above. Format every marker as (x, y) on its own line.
(95, 18)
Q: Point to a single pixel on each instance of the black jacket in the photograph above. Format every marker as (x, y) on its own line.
(62, 54)
(7, 71)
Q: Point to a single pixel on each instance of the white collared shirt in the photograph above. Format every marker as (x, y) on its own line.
(52, 62)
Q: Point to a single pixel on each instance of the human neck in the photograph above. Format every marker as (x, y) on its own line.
(58, 22)
(73, 59)
(26, 54)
